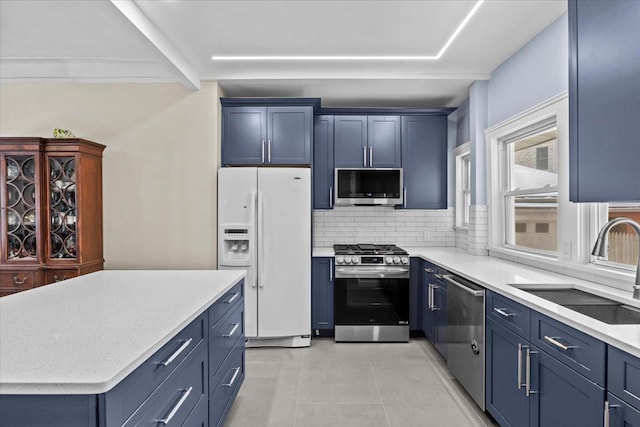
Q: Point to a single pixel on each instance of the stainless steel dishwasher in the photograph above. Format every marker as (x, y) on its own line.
(465, 335)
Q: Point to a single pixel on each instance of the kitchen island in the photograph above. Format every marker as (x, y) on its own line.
(123, 348)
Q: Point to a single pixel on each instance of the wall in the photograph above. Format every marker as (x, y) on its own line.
(159, 172)
(463, 125)
(537, 72)
(383, 225)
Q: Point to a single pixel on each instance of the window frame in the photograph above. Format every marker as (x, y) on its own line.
(462, 155)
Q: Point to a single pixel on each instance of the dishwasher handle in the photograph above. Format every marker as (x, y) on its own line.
(474, 292)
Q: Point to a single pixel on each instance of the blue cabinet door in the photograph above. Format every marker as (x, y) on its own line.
(350, 142)
(621, 413)
(604, 100)
(561, 396)
(322, 293)
(323, 163)
(424, 161)
(289, 131)
(428, 314)
(415, 294)
(505, 400)
(383, 140)
(244, 134)
(440, 313)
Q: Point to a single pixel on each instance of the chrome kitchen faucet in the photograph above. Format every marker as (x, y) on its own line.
(601, 247)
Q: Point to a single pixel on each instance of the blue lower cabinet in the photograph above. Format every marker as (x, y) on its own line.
(623, 376)
(427, 280)
(505, 397)
(322, 293)
(199, 417)
(621, 413)
(560, 396)
(224, 387)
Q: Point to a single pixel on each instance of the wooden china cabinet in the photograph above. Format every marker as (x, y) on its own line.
(51, 211)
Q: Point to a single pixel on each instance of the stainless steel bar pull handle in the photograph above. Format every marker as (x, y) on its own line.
(331, 270)
(233, 298)
(330, 197)
(428, 270)
(233, 378)
(269, 151)
(606, 413)
(434, 306)
(503, 312)
(404, 197)
(364, 156)
(555, 342)
(176, 353)
(263, 151)
(185, 395)
(371, 156)
(232, 331)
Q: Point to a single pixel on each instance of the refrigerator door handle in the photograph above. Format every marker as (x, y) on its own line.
(254, 196)
(260, 239)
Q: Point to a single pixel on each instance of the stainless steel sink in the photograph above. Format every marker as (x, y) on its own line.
(612, 314)
(600, 308)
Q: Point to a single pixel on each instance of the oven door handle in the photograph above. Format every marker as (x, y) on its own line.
(368, 273)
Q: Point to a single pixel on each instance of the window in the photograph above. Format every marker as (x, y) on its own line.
(623, 240)
(463, 184)
(529, 194)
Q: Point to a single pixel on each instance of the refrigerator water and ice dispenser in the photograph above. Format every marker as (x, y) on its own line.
(236, 245)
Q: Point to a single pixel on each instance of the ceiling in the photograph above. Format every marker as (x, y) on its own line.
(174, 41)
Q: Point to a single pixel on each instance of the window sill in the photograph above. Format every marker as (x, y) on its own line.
(603, 275)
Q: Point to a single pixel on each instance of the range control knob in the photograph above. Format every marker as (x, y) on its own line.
(339, 260)
(355, 260)
(404, 260)
(348, 260)
(396, 260)
(389, 260)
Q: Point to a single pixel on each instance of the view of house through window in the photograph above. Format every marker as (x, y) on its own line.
(623, 240)
(531, 194)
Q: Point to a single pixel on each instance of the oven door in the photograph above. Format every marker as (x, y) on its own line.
(371, 301)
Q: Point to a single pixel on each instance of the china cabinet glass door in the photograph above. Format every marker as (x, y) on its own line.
(20, 219)
(63, 213)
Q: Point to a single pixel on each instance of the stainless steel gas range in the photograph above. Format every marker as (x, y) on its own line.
(371, 293)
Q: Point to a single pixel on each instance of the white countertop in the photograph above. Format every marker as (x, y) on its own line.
(497, 275)
(84, 335)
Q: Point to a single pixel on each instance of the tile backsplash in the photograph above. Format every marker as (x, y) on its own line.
(378, 224)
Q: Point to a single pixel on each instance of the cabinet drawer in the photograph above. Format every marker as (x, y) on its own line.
(224, 386)
(175, 399)
(16, 281)
(576, 349)
(515, 317)
(224, 335)
(135, 388)
(224, 304)
(53, 276)
(623, 376)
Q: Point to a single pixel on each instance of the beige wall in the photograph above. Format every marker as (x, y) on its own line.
(160, 164)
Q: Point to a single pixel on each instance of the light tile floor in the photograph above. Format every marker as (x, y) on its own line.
(351, 385)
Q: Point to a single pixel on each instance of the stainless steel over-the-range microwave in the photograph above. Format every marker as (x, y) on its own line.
(369, 186)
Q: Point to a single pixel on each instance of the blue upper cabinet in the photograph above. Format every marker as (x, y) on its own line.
(383, 142)
(289, 131)
(424, 161)
(323, 163)
(604, 100)
(244, 135)
(267, 131)
(350, 141)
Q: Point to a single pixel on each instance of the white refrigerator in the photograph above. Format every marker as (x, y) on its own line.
(264, 227)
